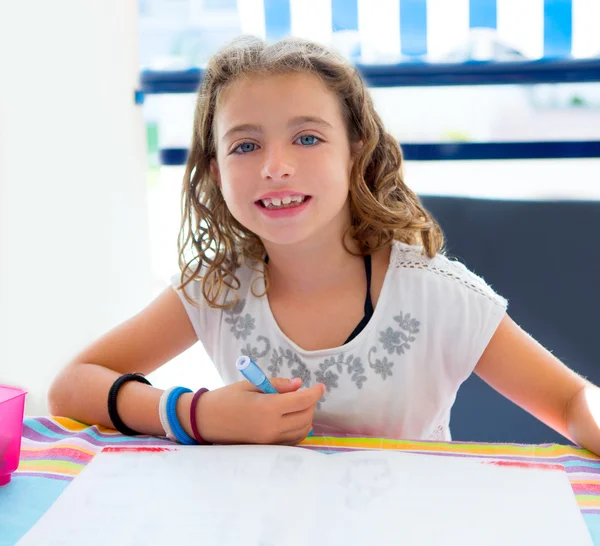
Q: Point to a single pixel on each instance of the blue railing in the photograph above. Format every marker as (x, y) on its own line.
(457, 151)
(419, 74)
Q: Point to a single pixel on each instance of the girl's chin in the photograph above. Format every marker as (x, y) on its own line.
(281, 239)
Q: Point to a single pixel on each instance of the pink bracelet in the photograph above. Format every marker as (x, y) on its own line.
(193, 421)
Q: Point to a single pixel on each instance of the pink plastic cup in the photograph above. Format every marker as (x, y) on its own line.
(12, 408)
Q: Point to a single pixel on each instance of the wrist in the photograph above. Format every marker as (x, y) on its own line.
(183, 412)
(204, 422)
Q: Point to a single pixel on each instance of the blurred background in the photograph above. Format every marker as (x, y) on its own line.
(496, 104)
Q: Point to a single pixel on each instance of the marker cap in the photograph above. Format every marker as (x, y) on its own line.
(250, 371)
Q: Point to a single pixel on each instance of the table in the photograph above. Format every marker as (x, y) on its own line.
(54, 450)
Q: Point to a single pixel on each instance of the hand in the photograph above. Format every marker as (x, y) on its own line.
(241, 414)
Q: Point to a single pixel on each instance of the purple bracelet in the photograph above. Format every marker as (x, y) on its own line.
(193, 421)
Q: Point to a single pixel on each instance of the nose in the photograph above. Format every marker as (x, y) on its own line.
(278, 165)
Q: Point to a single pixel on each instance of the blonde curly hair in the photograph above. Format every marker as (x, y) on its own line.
(382, 207)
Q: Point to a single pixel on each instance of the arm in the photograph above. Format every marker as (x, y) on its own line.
(237, 413)
(521, 369)
(142, 344)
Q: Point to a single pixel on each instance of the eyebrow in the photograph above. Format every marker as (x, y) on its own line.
(293, 123)
(315, 120)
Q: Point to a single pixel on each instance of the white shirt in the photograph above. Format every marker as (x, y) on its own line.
(399, 377)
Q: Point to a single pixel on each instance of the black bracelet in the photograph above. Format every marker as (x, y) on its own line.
(112, 402)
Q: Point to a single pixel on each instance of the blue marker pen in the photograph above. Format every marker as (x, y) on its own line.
(250, 370)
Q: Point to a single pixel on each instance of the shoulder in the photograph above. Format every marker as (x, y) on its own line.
(206, 318)
(442, 270)
(194, 290)
(459, 309)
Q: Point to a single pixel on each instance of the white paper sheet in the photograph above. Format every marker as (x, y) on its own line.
(280, 496)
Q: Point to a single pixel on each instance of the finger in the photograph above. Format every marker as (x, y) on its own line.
(286, 385)
(281, 384)
(300, 400)
(295, 436)
(297, 420)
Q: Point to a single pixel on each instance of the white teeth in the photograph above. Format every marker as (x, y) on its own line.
(276, 202)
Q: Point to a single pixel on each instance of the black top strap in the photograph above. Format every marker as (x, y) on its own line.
(368, 303)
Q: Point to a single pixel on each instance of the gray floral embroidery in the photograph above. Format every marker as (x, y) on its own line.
(397, 341)
(326, 372)
(353, 366)
(381, 366)
(241, 325)
(328, 378)
(254, 352)
(394, 341)
(299, 369)
(331, 369)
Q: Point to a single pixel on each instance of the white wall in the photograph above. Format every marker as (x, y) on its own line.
(74, 253)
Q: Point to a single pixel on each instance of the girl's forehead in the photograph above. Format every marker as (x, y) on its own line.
(287, 94)
(254, 82)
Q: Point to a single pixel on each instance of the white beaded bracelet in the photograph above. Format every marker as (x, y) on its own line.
(162, 414)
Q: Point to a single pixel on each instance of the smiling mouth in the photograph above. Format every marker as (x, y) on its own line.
(284, 203)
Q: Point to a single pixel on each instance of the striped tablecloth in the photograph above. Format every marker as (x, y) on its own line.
(54, 451)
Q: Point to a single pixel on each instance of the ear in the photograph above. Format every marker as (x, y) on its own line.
(356, 147)
(214, 171)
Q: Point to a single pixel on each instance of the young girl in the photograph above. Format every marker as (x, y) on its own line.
(302, 248)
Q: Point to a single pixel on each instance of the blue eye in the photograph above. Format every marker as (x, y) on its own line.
(308, 140)
(245, 147)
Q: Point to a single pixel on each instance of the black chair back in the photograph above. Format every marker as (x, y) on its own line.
(544, 257)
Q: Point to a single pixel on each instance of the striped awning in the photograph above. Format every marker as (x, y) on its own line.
(376, 31)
